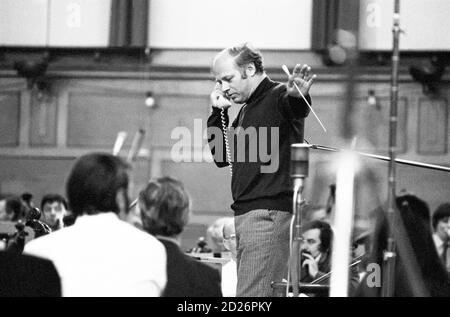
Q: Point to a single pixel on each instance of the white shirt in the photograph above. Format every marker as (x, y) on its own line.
(101, 255)
(229, 278)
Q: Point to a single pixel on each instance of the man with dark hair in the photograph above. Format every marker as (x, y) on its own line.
(12, 209)
(271, 117)
(165, 208)
(54, 209)
(441, 232)
(11, 212)
(101, 255)
(316, 250)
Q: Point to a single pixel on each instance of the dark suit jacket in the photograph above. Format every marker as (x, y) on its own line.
(187, 277)
(28, 276)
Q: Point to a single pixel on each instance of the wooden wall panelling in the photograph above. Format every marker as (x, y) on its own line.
(178, 111)
(433, 121)
(43, 119)
(25, 113)
(208, 185)
(430, 185)
(96, 118)
(62, 117)
(140, 175)
(327, 101)
(373, 123)
(36, 175)
(10, 105)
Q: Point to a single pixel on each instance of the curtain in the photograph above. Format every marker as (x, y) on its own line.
(330, 15)
(129, 23)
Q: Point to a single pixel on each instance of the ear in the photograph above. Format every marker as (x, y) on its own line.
(250, 70)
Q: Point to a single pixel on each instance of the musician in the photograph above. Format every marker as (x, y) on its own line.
(14, 225)
(229, 270)
(316, 250)
(165, 209)
(418, 270)
(261, 186)
(12, 210)
(101, 255)
(54, 209)
(441, 232)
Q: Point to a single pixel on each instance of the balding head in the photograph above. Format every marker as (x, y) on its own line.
(238, 71)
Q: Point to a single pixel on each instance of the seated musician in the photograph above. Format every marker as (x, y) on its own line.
(316, 248)
(165, 210)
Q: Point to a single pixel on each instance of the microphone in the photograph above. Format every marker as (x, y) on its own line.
(299, 163)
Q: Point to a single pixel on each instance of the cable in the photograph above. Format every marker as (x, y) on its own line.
(225, 136)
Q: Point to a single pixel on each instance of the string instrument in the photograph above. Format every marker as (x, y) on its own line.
(15, 243)
(40, 228)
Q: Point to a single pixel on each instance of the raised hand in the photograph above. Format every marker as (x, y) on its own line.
(303, 78)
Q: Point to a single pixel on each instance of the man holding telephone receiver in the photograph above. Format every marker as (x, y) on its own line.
(262, 199)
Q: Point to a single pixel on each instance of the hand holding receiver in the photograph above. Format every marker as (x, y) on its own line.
(218, 98)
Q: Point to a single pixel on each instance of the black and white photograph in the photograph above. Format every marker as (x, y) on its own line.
(224, 154)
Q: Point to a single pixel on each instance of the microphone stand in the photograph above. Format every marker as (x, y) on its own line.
(299, 171)
(389, 258)
(385, 158)
(295, 261)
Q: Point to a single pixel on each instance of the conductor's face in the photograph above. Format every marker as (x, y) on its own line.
(235, 82)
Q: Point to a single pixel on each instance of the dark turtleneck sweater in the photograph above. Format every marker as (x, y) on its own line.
(268, 108)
